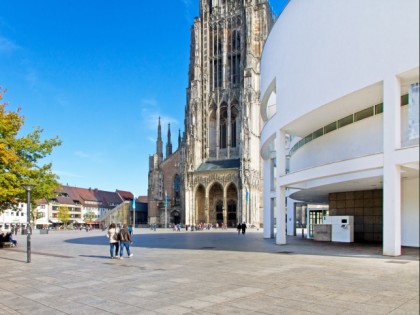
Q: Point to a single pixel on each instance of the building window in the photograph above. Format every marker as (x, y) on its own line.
(233, 125)
(177, 190)
(223, 127)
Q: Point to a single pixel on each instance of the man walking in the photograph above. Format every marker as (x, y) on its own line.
(125, 240)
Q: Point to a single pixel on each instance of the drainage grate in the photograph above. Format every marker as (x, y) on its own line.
(397, 262)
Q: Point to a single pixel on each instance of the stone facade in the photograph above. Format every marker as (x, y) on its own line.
(218, 158)
(367, 208)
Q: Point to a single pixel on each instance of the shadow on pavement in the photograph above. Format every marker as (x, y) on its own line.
(250, 242)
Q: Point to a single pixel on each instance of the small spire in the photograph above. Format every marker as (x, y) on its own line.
(159, 144)
(169, 144)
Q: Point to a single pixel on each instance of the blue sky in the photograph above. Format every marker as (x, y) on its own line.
(98, 74)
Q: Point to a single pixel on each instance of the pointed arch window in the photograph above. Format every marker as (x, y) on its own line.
(177, 190)
(212, 130)
(223, 127)
(216, 47)
(233, 125)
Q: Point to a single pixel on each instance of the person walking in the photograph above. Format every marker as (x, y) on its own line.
(130, 229)
(239, 227)
(114, 243)
(243, 227)
(125, 240)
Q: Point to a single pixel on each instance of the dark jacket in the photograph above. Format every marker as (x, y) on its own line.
(125, 236)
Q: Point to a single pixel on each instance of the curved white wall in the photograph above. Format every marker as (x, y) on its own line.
(330, 48)
(326, 59)
(355, 140)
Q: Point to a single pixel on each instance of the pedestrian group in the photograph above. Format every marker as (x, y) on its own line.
(118, 240)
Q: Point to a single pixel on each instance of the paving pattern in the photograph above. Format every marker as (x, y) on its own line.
(204, 272)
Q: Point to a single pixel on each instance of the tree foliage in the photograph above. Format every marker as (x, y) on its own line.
(21, 160)
(63, 214)
(89, 216)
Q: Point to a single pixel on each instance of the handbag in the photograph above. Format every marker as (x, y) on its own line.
(116, 236)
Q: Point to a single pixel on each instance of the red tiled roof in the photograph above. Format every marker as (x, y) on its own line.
(126, 195)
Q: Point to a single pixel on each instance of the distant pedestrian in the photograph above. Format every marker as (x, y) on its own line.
(125, 240)
(243, 227)
(239, 228)
(9, 238)
(130, 229)
(114, 243)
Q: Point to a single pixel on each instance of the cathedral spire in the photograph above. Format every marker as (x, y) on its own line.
(159, 150)
(179, 138)
(169, 144)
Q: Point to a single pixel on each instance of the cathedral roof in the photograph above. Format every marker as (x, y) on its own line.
(219, 165)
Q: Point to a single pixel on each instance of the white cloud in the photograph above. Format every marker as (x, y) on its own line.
(187, 5)
(7, 46)
(149, 102)
(82, 154)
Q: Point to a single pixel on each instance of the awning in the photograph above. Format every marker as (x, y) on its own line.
(79, 221)
(54, 220)
(92, 222)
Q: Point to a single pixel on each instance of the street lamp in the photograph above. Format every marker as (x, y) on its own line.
(28, 188)
(134, 213)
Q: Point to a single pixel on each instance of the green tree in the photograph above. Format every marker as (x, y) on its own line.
(21, 161)
(63, 214)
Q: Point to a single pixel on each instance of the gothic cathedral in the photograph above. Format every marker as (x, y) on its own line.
(215, 175)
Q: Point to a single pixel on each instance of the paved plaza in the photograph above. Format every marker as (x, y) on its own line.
(204, 272)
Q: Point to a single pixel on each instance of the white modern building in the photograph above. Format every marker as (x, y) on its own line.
(340, 105)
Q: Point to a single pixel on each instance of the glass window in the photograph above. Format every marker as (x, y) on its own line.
(345, 121)
(330, 127)
(363, 114)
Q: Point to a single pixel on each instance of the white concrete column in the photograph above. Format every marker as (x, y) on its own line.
(225, 213)
(188, 214)
(280, 190)
(268, 214)
(392, 171)
(281, 216)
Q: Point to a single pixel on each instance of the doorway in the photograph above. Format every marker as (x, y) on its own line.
(315, 217)
(301, 218)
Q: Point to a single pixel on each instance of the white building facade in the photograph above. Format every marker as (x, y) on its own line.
(340, 106)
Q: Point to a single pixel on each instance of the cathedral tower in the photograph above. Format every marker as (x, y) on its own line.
(222, 168)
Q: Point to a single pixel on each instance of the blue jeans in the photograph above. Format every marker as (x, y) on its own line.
(111, 248)
(127, 246)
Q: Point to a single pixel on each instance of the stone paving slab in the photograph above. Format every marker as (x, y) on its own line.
(205, 272)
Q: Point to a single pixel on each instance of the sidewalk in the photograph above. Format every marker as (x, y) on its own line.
(205, 272)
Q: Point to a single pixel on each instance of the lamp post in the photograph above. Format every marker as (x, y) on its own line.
(134, 213)
(28, 188)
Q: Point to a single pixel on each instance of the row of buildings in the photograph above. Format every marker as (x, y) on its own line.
(293, 118)
(86, 206)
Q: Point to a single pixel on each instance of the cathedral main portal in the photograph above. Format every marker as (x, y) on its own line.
(217, 204)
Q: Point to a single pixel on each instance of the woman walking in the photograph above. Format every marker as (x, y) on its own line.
(114, 243)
